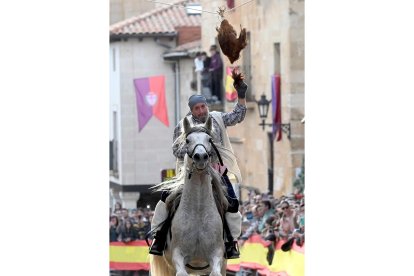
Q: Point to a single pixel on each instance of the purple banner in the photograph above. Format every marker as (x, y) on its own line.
(144, 110)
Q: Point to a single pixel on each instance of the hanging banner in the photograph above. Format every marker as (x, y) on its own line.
(276, 108)
(150, 99)
(231, 93)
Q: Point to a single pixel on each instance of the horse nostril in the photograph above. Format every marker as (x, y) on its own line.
(205, 156)
(197, 156)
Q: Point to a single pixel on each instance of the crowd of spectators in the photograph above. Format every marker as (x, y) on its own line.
(274, 219)
(129, 224)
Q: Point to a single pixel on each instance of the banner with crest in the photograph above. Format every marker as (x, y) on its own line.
(150, 97)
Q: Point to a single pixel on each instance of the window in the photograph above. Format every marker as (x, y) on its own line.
(113, 148)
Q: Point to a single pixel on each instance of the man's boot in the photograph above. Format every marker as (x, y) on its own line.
(232, 250)
(159, 242)
(232, 227)
(160, 239)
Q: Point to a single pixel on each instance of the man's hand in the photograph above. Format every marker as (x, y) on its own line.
(239, 84)
(241, 89)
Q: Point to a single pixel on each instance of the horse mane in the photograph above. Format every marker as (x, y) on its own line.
(219, 193)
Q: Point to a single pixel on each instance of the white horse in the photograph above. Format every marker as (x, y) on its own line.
(196, 245)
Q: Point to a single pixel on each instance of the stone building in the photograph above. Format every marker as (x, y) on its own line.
(275, 45)
(159, 42)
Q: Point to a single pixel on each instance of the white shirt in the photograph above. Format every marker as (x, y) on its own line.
(199, 65)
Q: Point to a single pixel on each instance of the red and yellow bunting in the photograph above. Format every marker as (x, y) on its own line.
(129, 256)
(134, 256)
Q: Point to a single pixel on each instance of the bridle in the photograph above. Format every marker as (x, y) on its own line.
(205, 130)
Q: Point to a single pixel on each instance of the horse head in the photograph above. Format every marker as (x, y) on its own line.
(198, 139)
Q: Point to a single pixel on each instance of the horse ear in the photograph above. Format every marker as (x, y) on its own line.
(186, 125)
(209, 124)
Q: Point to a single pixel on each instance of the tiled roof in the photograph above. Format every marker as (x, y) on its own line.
(185, 50)
(162, 20)
(189, 46)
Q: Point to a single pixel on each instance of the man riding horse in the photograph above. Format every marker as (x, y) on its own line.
(221, 120)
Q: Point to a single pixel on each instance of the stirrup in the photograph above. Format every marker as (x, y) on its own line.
(157, 251)
(231, 250)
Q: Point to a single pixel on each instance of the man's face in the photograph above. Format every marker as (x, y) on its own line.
(260, 211)
(125, 213)
(200, 111)
(139, 215)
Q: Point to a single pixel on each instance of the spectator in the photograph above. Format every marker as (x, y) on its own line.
(128, 233)
(287, 226)
(118, 208)
(286, 221)
(300, 231)
(254, 222)
(206, 61)
(124, 215)
(113, 229)
(216, 69)
(257, 199)
(141, 224)
(267, 212)
(198, 62)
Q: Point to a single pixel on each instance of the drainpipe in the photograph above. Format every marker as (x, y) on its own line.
(177, 90)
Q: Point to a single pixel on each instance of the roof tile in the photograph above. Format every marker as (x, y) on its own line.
(158, 21)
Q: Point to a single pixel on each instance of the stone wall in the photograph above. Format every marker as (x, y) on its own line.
(268, 22)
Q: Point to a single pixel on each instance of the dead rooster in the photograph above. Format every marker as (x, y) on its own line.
(229, 43)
